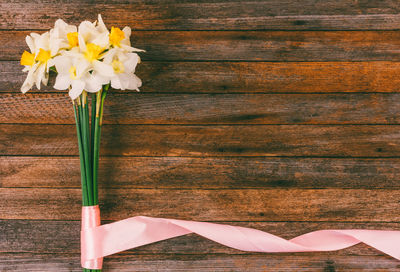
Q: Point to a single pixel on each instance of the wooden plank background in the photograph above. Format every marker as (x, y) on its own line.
(278, 115)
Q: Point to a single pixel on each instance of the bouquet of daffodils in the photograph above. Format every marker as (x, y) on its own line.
(87, 60)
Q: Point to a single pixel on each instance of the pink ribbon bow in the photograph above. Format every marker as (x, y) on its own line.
(100, 241)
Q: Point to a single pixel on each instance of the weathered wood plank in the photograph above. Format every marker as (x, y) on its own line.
(302, 262)
(202, 15)
(136, 108)
(247, 77)
(206, 173)
(247, 45)
(39, 236)
(238, 140)
(355, 205)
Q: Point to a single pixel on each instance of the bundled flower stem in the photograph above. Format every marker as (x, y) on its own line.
(87, 59)
(89, 142)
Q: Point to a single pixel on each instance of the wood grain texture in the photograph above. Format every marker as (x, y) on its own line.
(206, 173)
(246, 77)
(205, 15)
(277, 115)
(21, 236)
(354, 205)
(314, 262)
(136, 108)
(247, 45)
(160, 140)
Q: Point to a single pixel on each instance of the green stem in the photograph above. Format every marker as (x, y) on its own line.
(101, 95)
(96, 147)
(86, 148)
(93, 121)
(87, 118)
(92, 126)
(94, 144)
(82, 163)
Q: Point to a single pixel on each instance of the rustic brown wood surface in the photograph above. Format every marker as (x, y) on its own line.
(247, 77)
(205, 15)
(277, 115)
(203, 172)
(138, 108)
(209, 140)
(247, 45)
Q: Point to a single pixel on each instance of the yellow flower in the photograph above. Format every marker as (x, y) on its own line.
(116, 36)
(27, 58)
(93, 52)
(73, 39)
(43, 56)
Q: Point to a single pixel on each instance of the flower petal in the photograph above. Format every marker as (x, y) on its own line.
(62, 63)
(102, 40)
(100, 24)
(92, 85)
(39, 73)
(131, 62)
(109, 55)
(31, 44)
(116, 83)
(82, 44)
(30, 79)
(103, 68)
(127, 32)
(82, 67)
(77, 88)
(131, 49)
(62, 82)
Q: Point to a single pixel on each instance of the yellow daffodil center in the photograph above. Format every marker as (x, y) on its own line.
(93, 51)
(117, 66)
(72, 72)
(43, 55)
(27, 58)
(73, 39)
(116, 36)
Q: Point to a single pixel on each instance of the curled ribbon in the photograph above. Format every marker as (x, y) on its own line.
(100, 241)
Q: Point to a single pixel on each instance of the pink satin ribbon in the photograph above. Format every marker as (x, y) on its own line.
(90, 220)
(100, 241)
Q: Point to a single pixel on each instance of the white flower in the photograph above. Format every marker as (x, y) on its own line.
(124, 65)
(43, 48)
(93, 42)
(31, 77)
(86, 58)
(125, 42)
(63, 36)
(95, 33)
(73, 73)
(38, 61)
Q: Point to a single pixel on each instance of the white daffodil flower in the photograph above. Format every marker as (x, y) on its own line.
(117, 38)
(73, 73)
(124, 65)
(93, 42)
(43, 48)
(122, 39)
(63, 36)
(92, 56)
(95, 33)
(38, 62)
